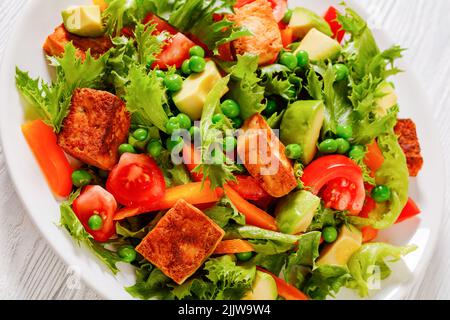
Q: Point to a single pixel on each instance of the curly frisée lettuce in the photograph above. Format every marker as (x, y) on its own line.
(51, 102)
(394, 174)
(222, 280)
(368, 264)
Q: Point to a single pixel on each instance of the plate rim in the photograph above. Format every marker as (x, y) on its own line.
(403, 288)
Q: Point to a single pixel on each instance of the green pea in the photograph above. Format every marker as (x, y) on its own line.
(244, 256)
(230, 108)
(271, 107)
(185, 68)
(127, 254)
(171, 144)
(173, 82)
(342, 146)
(293, 151)
(344, 132)
(289, 60)
(229, 144)
(197, 51)
(194, 131)
(154, 148)
(302, 58)
(357, 152)
(287, 16)
(126, 148)
(81, 178)
(95, 222)
(160, 74)
(197, 64)
(237, 122)
(184, 121)
(329, 234)
(173, 125)
(218, 118)
(341, 71)
(328, 146)
(140, 134)
(381, 193)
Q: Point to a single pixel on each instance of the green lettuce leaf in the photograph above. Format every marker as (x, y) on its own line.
(326, 281)
(394, 174)
(223, 280)
(51, 102)
(197, 17)
(225, 212)
(213, 166)
(148, 45)
(151, 283)
(270, 262)
(245, 88)
(145, 96)
(370, 255)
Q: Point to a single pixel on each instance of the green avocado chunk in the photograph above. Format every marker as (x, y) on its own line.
(264, 288)
(304, 20)
(295, 212)
(84, 21)
(319, 46)
(301, 125)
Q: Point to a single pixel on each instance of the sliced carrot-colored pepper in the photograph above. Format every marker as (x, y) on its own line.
(285, 290)
(50, 156)
(194, 193)
(374, 158)
(233, 246)
(253, 215)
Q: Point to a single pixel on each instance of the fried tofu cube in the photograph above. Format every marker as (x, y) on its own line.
(97, 124)
(409, 142)
(55, 43)
(266, 41)
(181, 241)
(264, 156)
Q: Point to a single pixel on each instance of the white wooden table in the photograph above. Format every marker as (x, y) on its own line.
(29, 269)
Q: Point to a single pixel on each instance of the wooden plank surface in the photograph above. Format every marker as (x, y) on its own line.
(29, 269)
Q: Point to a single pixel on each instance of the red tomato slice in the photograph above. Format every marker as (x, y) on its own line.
(51, 158)
(175, 52)
(331, 17)
(136, 180)
(249, 188)
(411, 210)
(96, 200)
(325, 171)
(161, 25)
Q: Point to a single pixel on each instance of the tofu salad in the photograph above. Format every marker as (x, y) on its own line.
(227, 149)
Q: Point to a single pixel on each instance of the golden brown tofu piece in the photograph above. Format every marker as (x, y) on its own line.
(409, 142)
(55, 43)
(264, 157)
(97, 124)
(265, 42)
(181, 241)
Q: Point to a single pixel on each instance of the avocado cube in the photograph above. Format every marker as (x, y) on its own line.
(84, 21)
(191, 98)
(301, 124)
(319, 46)
(295, 212)
(303, 20)
(264, 288)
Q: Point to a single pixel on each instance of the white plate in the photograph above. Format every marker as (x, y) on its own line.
(40, 17)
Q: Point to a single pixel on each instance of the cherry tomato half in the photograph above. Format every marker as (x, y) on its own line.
(249, 188)
(175, 52)
(94, 200)
(136, 180)
(342, 179)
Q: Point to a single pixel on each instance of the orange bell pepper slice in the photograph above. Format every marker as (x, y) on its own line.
(285, 290)
(233, 246)
(50, 156)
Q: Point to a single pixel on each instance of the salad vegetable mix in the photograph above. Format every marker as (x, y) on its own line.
(226, 149)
